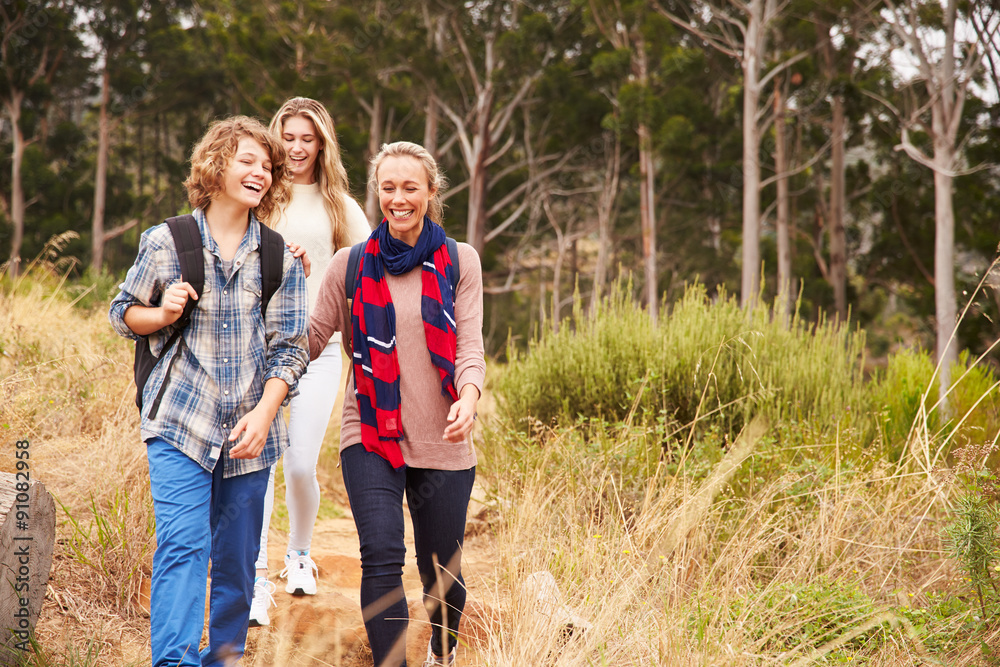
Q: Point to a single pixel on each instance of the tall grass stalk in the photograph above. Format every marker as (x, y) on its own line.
(944, 404)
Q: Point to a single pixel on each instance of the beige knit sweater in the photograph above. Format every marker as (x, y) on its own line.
(423, 409)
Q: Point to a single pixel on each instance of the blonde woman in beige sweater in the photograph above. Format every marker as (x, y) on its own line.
(417, 375)
(320, 218)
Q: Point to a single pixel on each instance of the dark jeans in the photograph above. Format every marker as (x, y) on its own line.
(438, 502)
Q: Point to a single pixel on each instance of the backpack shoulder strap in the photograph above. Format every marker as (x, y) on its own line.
(352, 268)
(187, 240)
(187, 243)
(456, 271)
(272, 255)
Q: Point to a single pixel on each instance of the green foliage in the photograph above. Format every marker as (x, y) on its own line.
(902, 396)
(898, 395)
(804, 617)
(707, 362)
(973, 536)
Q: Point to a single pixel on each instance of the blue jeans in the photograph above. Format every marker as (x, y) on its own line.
(438, 502)
(200, 515)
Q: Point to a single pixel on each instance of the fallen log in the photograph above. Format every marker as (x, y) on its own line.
(27, 536)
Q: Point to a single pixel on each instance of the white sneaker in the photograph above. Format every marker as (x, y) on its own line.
(262, 599)
(433, 660)
(299, 570)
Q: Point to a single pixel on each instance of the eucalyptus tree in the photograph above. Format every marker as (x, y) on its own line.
(625, 26)
(494, 53)
(841, 32)
(743, 30)
(121, 29)
(947, 61)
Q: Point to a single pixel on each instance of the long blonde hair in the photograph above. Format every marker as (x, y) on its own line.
(213, 153)
(329, 170)
(435, 179)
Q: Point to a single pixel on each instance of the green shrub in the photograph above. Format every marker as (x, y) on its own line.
(830, 620)
(899, 391)
(897, 394)
(708, 361)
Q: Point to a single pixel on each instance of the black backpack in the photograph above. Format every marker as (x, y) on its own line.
(187, 239)
(355, 257)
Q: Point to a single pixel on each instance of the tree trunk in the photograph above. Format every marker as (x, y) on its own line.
(16, 186)
(605, 209)
(374, 144)
(476, 230)
(647, 214)
(431, 127)
(141, 148)
(945, 308)
(647, 196)
(785, 297)
(101, 178)
(750, 273)
(838, 237)
(557, 282)
(158, 151)
(27, 536)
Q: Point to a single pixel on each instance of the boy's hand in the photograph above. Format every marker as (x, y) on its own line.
(146, 320)
(299, 251)
(174, 300)
(254, 426)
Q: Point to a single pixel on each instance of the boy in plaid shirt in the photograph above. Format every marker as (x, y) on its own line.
(217, 428)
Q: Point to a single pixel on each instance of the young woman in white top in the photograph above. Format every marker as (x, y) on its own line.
(321, 218)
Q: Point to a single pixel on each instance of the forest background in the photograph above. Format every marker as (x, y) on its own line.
(796, 147)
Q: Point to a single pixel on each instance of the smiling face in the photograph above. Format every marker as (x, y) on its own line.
(303, 144)
(403, 195)
(247, 176)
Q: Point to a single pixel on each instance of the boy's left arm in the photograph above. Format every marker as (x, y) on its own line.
(286, 336)
(286, 329)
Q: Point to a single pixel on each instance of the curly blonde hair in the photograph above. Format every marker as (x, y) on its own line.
(212, 155)
(329, 169)
(435, 179)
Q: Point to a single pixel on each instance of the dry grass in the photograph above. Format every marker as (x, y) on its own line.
(65, 385)
(691, 576)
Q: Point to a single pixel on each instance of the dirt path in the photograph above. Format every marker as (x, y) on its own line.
(327, 629)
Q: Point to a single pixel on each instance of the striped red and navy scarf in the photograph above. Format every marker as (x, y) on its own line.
(373, 320)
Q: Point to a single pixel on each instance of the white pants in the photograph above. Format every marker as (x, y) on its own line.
(309, 415)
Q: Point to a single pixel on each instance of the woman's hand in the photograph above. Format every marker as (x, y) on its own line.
(462, 414)
(300, 252)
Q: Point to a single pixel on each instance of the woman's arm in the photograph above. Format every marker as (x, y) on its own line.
(462, 414)
(470, 361)
(331, 313)
(358, 226)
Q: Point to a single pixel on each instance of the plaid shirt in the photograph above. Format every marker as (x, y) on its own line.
(226, 353)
